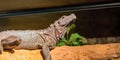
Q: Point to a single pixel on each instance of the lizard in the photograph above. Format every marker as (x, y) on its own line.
(45, 39)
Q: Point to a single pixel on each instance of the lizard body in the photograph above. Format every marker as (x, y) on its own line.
(35, 39)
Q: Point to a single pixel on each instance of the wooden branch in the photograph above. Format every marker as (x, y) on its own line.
(88, 52)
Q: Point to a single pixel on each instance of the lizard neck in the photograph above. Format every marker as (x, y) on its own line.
(59, 32)
(55, 32)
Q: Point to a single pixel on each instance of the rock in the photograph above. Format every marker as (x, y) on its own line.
(86, 52)
(22, 55)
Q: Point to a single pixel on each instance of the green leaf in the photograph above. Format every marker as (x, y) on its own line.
(75, 36)
(75, 43)
(71, 27)
(61, 44)
(74, 40)
(63, 40)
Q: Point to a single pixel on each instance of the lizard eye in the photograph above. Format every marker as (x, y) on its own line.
(63, 17)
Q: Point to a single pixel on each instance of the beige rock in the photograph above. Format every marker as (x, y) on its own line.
(22, 55)
(88, 52)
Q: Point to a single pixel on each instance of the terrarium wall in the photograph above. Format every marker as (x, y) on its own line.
(89, 23)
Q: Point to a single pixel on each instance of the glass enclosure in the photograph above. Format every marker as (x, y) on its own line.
(89, 23)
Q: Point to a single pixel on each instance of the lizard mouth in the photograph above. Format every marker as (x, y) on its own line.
(71, 19)
(74, 17)
(72, 22)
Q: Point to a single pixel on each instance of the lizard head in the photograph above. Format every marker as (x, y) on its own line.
(66, 20)
(11, 42)
(63, 23)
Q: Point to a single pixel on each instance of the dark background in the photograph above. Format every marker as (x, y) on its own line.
(90, 23)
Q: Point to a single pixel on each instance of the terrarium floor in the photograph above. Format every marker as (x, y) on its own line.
(86, 52)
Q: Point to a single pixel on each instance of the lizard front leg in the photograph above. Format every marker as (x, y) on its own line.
(46, 52)
(1, 48)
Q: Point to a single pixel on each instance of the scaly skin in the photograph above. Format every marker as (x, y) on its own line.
(45, 39)
(10, 43)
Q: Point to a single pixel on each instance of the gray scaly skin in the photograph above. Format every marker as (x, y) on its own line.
(35, 39)
(10, 43)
